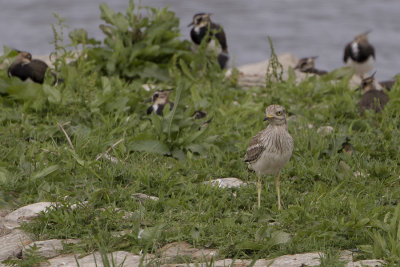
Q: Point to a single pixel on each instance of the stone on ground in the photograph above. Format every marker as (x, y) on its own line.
(11, 245)
(25, 214)
(49, 248)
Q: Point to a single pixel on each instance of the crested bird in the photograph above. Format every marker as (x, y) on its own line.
(160, 99)
(270, 149)
(360, 54)
(372, 98)
(202, 27)
(307, 65)
(25, 67)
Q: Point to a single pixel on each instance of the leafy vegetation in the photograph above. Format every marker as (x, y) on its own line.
(53, 141)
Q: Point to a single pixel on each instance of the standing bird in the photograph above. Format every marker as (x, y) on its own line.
(202, 27)
(372, 98)
(270, 149)
(307, 65)
(25, 67)
(160, 99)
(360, 54)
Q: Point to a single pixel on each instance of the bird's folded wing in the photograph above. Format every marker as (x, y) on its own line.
(254, 152)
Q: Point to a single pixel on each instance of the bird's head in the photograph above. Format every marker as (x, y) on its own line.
(201, 20)
(362, 38)
(305, 64)
(161, 97)
(275, 114)
(368, 83)
(24, 56)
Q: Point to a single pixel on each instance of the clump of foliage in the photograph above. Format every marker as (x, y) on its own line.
(140, 44)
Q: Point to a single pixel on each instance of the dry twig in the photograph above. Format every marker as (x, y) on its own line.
(105, 154)
(66, 135)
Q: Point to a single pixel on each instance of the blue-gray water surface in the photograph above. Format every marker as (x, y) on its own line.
(302, 27)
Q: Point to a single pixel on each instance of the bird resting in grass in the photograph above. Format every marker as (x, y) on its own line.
(160, 99)
(270, 149)
(24, 67)
(372, 98)
(307, 65)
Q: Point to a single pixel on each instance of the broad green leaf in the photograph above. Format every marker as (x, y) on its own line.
(152, 146)
(53, 95)
(45, 172)
(106, 13)
(4, 175)
(249, 245)
(279, 237)
(121, 22)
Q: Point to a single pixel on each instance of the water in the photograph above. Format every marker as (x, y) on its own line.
(302, 27)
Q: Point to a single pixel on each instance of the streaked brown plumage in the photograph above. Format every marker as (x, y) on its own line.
(307, 65)
(372, 98)
(270, 149)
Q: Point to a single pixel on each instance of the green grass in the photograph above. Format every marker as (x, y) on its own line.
(326, 207)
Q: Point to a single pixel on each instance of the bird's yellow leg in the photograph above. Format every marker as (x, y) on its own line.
(277, 183)
(259, 190)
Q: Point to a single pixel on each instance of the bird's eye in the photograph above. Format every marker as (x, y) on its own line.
(279, 113)
(155, 95)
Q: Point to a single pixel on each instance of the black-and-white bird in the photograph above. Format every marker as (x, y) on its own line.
(270, 149)
(202, 27)
(24, 67)
(307, 65)
(372, 98)
(160, 99)
(360, 54)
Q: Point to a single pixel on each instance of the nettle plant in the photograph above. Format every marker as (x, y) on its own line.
(143, 46)
(139, 44)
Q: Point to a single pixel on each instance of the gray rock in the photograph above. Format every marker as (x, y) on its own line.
(325, 130)
(142, 197)
(49, 248)
(11, 245)
(182, 251)
(119, 258)
(373, 263)
(296, 260)
(223, 263)
(254, 74)
(25, 214)
(226, 182)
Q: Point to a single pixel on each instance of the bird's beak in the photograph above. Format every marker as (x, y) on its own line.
(190, 24)
(269, 116)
